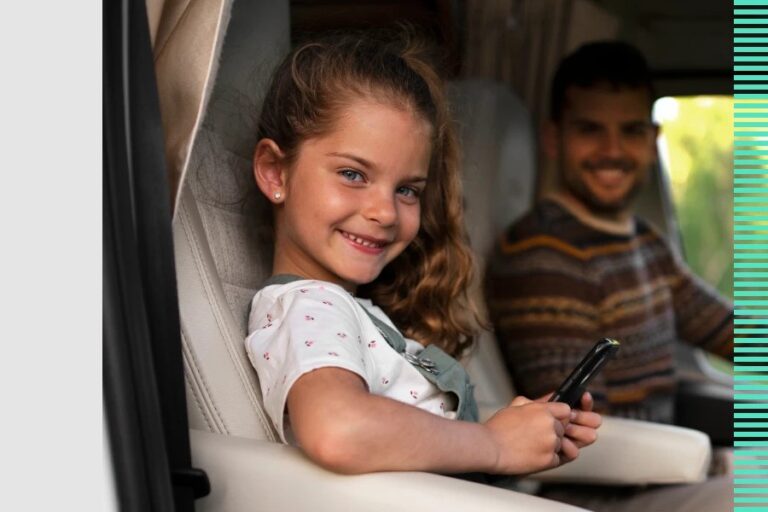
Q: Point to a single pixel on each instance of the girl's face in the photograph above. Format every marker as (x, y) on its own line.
(351, 199)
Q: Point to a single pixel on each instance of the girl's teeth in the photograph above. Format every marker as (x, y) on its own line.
(364, 243)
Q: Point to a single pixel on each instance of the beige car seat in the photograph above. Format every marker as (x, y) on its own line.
(222, 245)
(498, 167)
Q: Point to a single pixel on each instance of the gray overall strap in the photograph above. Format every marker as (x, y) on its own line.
(433, 363)
(437, 367)
(392, 336)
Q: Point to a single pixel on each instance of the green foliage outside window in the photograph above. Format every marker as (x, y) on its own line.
(698, 141)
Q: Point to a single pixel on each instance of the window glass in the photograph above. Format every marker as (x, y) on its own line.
(696, 148)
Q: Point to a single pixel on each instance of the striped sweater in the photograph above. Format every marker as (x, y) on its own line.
(555, 285)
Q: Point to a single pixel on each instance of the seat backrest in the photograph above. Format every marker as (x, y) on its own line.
(498, 157)
(222, 230)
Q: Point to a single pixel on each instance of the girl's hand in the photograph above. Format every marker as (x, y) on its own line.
(580, 428)
(528, 436)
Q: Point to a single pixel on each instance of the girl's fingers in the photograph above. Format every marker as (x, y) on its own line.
(579, 435)
(587, 419)
(520, 400)
(559, 429)
(587, 402)
(560, 411)
(569, 450)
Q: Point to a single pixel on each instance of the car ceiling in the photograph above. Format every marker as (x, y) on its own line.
(688, 43)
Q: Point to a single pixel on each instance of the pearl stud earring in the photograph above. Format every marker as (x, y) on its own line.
(278, 195)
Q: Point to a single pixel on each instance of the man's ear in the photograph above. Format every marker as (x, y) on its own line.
(550, 139)
(269, 170)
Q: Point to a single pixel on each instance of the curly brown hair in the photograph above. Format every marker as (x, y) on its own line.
(425, 289)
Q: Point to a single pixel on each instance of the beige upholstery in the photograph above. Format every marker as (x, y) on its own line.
(222, 245)
(631, 451)
(248, 475)
(186, 37)
(223, 395)
(498, 171)
(222, 233)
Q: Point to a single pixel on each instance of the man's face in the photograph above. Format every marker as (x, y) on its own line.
(605, 145)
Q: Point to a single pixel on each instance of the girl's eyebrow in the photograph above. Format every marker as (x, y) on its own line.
(367, 164)
(362, 161)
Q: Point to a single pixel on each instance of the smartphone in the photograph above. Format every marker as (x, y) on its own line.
(573, 387)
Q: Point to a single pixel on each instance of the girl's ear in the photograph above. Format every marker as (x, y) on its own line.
(269, 170)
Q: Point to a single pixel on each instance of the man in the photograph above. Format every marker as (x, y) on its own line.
(580, 266)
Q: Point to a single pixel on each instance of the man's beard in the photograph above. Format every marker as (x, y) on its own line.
(581, 191)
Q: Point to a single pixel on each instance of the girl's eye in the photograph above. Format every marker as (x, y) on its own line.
(409, 192)
(351, 175)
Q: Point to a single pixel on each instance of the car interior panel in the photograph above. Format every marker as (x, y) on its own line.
(213, 59)
(222, 242)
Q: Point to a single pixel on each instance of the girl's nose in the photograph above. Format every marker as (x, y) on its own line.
(381, 208)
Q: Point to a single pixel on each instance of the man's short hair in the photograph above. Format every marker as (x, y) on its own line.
(615, 63)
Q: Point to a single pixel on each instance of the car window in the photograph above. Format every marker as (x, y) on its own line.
(696, 147)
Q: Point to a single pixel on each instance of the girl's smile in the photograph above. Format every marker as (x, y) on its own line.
(350, 198)
(365, 244)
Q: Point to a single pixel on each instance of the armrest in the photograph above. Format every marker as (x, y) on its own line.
(631, 452)
(250, 475)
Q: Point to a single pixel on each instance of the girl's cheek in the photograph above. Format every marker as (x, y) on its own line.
(415, 223)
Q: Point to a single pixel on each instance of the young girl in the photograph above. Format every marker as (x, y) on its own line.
(358, 156)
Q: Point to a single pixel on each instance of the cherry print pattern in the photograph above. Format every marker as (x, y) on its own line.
(325, 344)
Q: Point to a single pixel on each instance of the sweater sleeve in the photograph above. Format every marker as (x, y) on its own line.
(543, 304)
(703, 317)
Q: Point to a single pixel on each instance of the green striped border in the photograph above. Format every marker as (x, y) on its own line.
(750, 251)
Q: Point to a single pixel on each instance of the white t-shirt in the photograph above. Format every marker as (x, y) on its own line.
(301, 326)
